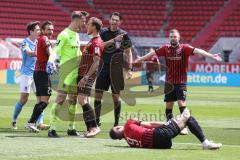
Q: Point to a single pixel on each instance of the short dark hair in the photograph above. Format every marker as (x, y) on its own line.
(31, 26)
(45, 23)
(112, 134)
(79, 14)
(116, 14)
(97, 23)
(174, 30)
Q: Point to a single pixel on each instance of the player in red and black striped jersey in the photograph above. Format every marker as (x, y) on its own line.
(177, 58)
(152, 65)
(41, 77)
(159, 135)
(87, 74)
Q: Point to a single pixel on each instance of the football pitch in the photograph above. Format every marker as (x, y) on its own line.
(216, 108)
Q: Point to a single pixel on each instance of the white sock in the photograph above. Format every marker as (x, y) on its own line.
(205, 142)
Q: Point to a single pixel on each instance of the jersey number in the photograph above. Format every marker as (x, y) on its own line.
(133, 142)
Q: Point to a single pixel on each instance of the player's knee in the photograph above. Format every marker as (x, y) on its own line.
(180, 121)
(60, 99)
(98, 95)
(23, 101)
(82, 100)
(181, 103)
(72, 99)
(115, 97)
(169, 105)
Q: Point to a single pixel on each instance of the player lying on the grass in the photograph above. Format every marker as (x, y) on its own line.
(159, 135)
(26, 79)
(177, 58)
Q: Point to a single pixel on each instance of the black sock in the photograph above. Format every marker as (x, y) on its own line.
(117, 110)
(195, 129)
(150, 86)
(169, 114)
(89, 117)
(97, 107)
(37, 110)
(181, 109)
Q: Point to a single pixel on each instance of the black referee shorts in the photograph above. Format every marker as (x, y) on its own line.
(110, 77)
(42, 83)
(162, 136)
(175, 92)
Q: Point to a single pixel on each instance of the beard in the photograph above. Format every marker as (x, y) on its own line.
(174, 43)
(49, 36)
(78, 28)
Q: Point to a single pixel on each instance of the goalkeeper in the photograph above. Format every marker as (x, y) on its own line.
(68, 49)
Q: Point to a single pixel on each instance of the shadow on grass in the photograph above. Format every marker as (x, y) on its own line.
(26, 136)
(183, 149)
(113, 146)
(186, 149)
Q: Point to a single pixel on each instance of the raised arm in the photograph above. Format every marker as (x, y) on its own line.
(145, 57)
(215, 57)
(25, 48)
(115, 39)
(151, 125)
(29, 52)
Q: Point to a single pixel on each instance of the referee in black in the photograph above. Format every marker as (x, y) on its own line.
(117, 50)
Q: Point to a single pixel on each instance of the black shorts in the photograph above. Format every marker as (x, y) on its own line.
(162, 136)
(42, 83)
(85, 91)
(115, 80)
(175, 92)
(149, 75)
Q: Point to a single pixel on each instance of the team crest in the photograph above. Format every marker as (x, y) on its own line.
(97, 50)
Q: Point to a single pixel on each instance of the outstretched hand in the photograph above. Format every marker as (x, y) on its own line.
(217, 57)
(138, 60)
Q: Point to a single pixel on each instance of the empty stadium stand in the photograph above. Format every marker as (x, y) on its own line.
(225, 24)
(15, 14)
(74, 5)
(190, 16)
(141, 18)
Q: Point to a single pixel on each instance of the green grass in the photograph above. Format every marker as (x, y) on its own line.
(216, 108)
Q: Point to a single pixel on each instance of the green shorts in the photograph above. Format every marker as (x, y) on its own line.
(68, 75)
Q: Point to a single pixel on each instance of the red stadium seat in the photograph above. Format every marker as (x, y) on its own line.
(16, 14)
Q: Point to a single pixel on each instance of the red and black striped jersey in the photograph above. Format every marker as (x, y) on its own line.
(93, 48)
(137, 135)
(177, 59)
(42, 55)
